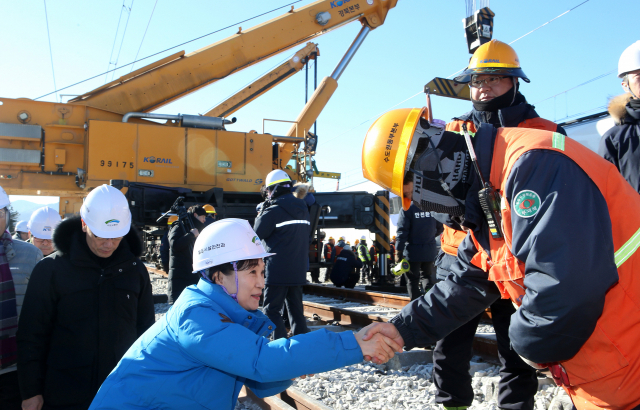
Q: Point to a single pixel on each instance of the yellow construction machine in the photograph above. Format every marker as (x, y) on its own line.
(106, 135)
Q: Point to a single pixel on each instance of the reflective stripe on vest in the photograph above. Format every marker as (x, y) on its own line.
(628, 249)
(295, 221)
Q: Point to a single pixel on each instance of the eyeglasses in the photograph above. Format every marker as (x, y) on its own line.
(491, 82)
(43, 241)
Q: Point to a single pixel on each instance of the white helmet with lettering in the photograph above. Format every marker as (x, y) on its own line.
(228, 240)
(106, 212)
(43, 221)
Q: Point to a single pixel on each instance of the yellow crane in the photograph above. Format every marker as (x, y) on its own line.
(66, 149)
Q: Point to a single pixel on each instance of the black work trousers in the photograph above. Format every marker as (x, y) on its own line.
(352, 280)
(451, 357)
(422, 274)
(10, 391)
(275, 298)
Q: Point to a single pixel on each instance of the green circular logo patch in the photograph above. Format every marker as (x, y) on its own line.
(526, 204)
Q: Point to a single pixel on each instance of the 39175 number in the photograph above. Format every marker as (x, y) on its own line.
(116, 164)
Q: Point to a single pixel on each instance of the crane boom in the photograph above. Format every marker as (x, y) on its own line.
(155, 85)
(265, 83)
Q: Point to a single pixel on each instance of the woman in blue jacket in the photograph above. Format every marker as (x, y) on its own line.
(213, 339)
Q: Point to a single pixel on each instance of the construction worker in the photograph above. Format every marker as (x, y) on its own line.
(493, 76)
(21, 231)
(212, 216)
(362, 251)
(182, 236)
(329, 256)
(522, 200)
(284, 227)
(392, 250)
(165, 252)
(213, 341)
(619, 145)
(416, 244)
(41, 225)
(85, 305)
(339, 246)
(17, 260)
(346, 270)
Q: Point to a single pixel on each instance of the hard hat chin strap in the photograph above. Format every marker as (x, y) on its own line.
(234, 296)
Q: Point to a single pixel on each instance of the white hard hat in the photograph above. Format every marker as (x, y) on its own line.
(43, 221)
(228, 240)
(106, 212)
(363, 238)
(629, 60)
(22, 226)
(277, 176)
(4, 198)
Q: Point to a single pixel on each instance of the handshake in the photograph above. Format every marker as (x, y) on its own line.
(379, 342)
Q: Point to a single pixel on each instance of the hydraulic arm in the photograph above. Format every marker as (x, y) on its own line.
(160, 83)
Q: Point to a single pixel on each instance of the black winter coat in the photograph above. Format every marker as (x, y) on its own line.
(416, 235)
(621, 144)
(79, 318)
(181, 242)
(284, 228)
(345, 263)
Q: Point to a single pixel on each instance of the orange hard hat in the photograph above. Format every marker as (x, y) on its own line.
(172, 219)
(386, 149)
(210, 209)
(494, 57)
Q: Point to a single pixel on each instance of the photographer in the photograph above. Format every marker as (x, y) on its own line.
(181, 240)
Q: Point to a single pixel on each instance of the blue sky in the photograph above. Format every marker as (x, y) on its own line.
(420, 40)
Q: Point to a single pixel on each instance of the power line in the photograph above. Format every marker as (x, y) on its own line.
(171, 48)
(145, 33)
(115, 37)
(122, 41)
(451, 75)
(50, 50)
(579, 85)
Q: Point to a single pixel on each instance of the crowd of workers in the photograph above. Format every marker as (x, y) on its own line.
(531, 223)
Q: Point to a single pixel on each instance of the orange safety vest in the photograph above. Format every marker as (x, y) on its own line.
(605, 373)
(451, 238)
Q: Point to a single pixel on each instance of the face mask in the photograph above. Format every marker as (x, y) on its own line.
(440, 171)
(503, 101)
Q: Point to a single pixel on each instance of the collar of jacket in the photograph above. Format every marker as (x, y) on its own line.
(633, 111)
(508, 117)
(254, 320)
(67, 239)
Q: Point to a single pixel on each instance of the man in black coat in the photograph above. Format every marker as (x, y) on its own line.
(181, 240)
(345, 269)
(621, 144)
(84, 307)
(416, 243)
(284, 228)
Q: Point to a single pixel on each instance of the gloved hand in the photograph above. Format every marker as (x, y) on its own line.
(401, 267)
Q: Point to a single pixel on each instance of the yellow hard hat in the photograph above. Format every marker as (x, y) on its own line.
(386, 148)
(357, 241)
(210, 209)
(393, 238)
(172, 219)
(331, 238)
(494, 57)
